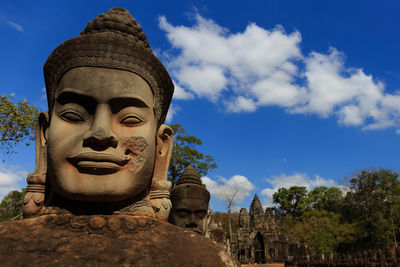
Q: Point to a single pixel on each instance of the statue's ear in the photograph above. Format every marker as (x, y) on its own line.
(165, 142)
(160, 186)
(35, 191)
(208, 215)
(43, 124)
(41, 142)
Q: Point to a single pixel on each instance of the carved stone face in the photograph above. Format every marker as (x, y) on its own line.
(190, 214)
(101, 140)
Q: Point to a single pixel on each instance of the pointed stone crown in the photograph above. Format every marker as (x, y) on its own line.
(189, 176)
(269, 211)
(256, 204)
(112, 40)
(120, 21)
(189, 186)
(243, 211)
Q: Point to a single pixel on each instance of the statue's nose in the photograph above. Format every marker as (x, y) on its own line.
(192, 221)
(101, 135)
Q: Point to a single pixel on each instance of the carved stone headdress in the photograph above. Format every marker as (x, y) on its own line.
(189, 186)
(111, 40)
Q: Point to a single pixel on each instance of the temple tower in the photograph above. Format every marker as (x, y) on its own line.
(256, 214)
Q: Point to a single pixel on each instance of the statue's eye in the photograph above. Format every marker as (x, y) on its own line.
(201, 214)
(131, 120)
(71, 116)
(182, 213)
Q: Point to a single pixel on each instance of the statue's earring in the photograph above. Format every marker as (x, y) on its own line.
(35, 191)
(160, 186)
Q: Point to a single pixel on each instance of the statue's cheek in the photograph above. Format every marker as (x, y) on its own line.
(138, 149)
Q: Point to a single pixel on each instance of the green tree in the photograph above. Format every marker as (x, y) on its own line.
(373, 204)
(323, 230)
(185, 153)
(11, 205)
(326, 231)
(292, 201)
(368, 216)
(17, 122)
(324, 198)
(314, 217)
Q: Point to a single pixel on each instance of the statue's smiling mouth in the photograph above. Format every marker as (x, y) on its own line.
(196, 231)
(97, 163)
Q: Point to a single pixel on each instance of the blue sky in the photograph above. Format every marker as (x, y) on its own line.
(280, 92)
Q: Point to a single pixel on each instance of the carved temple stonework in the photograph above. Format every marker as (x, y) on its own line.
(257, 240)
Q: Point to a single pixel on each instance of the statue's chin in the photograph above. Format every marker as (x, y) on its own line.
(93, 197)
(100, 185)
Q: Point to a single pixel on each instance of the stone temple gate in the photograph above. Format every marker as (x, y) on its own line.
(257, 240)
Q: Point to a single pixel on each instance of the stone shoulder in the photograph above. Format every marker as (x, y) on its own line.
(95, 240)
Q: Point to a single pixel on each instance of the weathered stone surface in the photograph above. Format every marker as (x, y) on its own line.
(256, 213)
(123, 240)
(257, 240)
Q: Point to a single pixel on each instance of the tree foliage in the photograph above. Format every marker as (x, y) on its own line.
(373, 203)
(185, 153)
(11, 205)
(311, 216)
(17, 122)
(366, 216)
(323, 229)
(324, 198)
(292, 201)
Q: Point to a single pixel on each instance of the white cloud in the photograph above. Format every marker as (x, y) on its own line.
(349, 93)
(43, 97)
(241, 104)
(212, 60)
(260, 67)
(15, 25)
(173, 109)
(180, 93)
(296, 179)
(344, 189)
(238, 186)
(207, 81)
(10, 176)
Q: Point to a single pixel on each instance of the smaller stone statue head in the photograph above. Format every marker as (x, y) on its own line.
(244, 218)
(269, 221)
(190, 202)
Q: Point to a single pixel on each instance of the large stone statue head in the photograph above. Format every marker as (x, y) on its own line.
(190, 202)
(108, 97)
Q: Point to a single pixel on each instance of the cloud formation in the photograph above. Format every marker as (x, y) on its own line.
(180, 93)
(16, 26)
(259, 67)
(171, 113)
(296, 179)
(238, 186)
(10, 176)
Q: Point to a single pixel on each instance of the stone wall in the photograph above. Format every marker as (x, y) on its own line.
(371, 257)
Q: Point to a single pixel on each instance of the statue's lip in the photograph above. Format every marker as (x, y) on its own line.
(97, 157)
(192, 229)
